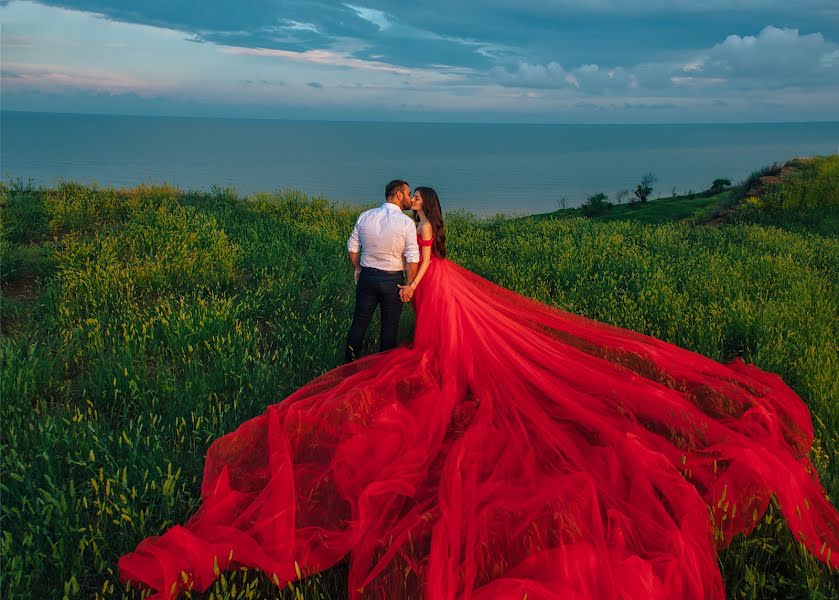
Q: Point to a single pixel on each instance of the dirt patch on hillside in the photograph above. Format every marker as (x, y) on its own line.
(771, 180)
(24, 288)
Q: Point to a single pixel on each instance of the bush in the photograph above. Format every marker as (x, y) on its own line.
(595, 205)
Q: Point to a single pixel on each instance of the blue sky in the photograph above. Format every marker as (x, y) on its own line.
(564, 61)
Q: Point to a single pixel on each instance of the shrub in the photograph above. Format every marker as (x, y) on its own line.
(595, 205)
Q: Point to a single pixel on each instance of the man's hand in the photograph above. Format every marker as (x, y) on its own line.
(357, 273)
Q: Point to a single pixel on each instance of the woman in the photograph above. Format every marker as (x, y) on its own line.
(513, 449)
(431, 236)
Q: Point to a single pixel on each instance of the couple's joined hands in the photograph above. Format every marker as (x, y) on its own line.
(406, 292)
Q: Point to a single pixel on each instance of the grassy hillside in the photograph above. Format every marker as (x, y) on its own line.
(799, 195)
(138, 325)
(660, 210)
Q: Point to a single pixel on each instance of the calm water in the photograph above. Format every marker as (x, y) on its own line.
(483, 168)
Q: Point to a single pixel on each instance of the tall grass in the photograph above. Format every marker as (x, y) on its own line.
(138, 325)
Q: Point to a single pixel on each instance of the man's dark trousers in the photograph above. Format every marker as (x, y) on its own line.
(375, 288)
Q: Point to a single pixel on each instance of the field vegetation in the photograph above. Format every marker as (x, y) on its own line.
(140, 324)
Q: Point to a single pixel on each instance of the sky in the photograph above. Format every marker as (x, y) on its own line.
(559, 61)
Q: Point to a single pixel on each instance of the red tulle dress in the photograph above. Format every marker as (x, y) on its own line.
(512, 449)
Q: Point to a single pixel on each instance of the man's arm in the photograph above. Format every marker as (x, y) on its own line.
(412, 271)
(354, 250)
(355, 258)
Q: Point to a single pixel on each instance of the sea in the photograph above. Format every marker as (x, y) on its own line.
(485, 169)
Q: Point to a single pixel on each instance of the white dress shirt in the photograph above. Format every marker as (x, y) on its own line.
(385, 235)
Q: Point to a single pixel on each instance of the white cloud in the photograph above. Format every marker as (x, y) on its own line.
(596, 79)
(775, 54)
(830, 60)
(689, 81)
(299, 26)
(319, 57)
(376, 17)
(550, 75)
(590, 78)
(773, 59)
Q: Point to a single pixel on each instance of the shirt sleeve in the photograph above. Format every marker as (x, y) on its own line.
(411, 254)
(353, 244)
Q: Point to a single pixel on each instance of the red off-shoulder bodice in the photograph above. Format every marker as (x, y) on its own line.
(422, 243)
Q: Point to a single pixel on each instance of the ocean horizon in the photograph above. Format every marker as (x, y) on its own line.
(485, 168)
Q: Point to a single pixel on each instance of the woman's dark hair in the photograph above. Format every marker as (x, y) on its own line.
(434, 213)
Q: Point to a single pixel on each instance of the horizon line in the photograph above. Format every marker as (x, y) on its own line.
(407, 122)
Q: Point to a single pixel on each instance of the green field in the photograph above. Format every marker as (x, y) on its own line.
(140, 324)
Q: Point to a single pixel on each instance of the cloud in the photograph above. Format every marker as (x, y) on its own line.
(263, 82)
(595, 79)
(525, 74)
(653, 106)
(376, 17)
(60, 77)
(456, 33)
(589, 78)
(298, 26)
(506, 57)
(777, 56)
(315, 84)
(320, 57)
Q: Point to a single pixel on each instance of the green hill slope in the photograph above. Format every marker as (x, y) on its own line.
(138, 325)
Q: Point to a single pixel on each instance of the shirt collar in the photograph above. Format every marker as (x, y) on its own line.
(391, 206)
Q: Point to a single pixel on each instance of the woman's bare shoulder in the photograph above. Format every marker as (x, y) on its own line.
(425, 230)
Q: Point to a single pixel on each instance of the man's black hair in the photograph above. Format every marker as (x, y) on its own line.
(393, 187)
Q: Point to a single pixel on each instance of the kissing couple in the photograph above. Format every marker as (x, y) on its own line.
(512, 449)
(385, 246)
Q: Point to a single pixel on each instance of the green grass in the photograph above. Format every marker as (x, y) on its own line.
(661, 210)
(139, 325)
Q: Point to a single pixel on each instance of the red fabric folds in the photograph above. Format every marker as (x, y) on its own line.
(512, 449)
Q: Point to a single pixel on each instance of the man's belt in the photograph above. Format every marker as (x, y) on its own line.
(380, 271)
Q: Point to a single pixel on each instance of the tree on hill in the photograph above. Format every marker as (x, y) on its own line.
(645, 188)
(719, 185)
(621, 195)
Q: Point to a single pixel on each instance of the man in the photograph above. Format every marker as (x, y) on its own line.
(384, 236)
